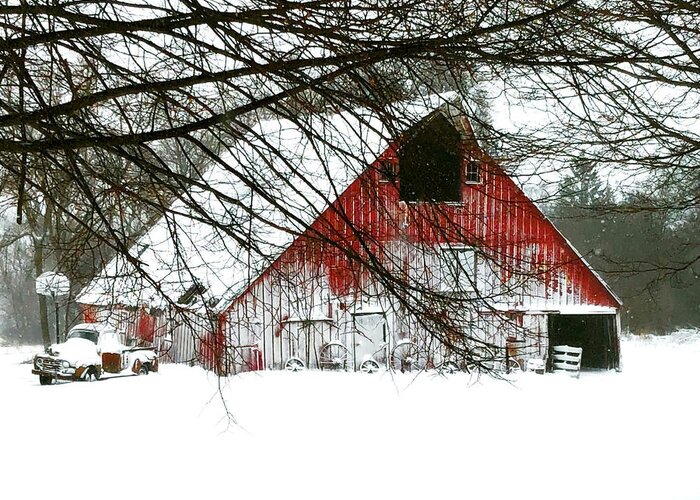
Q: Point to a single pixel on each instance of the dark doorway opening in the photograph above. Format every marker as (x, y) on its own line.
(595, 333)
(429, 164)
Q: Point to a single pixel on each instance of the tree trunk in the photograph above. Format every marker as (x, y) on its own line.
(39, 268)
(43, 309)
(67, 313)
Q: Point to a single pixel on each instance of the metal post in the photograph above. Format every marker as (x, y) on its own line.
(507, 357)
(55, 306)
(354, 340)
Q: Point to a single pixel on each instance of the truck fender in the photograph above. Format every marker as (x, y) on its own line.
(148, 359)
(136, 366)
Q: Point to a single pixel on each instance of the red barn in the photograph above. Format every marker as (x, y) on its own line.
(384, 254)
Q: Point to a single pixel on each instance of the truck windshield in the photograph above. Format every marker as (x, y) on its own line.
(90, 335)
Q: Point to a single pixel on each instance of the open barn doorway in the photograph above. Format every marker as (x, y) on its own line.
(595, 333)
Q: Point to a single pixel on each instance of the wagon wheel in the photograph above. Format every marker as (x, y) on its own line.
(407, 357)
(294, 365)
(510, 365)
(369, 366)
(447, 368)
(334, 356)
(481, 358)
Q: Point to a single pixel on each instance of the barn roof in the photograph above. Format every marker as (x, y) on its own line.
(266, 189)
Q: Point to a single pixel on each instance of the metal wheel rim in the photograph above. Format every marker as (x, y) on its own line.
(294, 365)
(369, 366)
(334, 356)
(406, 357)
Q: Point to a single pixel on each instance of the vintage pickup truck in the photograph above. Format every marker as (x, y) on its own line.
(90, 350)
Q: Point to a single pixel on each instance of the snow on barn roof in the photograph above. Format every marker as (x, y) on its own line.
(265, 190)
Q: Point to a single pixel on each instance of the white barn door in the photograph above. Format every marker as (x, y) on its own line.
(370, 338)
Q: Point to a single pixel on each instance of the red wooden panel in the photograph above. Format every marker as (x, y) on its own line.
(89, 313)
(146, 326)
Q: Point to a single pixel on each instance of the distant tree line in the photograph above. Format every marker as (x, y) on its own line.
(645, 251)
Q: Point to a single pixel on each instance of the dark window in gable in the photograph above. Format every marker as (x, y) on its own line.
(429, 163)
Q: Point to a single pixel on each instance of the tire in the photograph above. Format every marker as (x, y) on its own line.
(93, 374)
(45, 379)
(143, 369)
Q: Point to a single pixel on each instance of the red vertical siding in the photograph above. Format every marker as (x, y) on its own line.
(494, 216)
(146, 326)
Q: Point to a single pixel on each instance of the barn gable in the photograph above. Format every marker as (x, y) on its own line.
(488, 212)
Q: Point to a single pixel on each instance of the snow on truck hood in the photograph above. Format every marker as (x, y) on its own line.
(77, 352)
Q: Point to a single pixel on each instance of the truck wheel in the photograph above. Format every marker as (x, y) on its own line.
(143, 369)
(92, 374)
(45, 379)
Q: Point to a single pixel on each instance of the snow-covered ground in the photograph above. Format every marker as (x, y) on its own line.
(628, 435)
